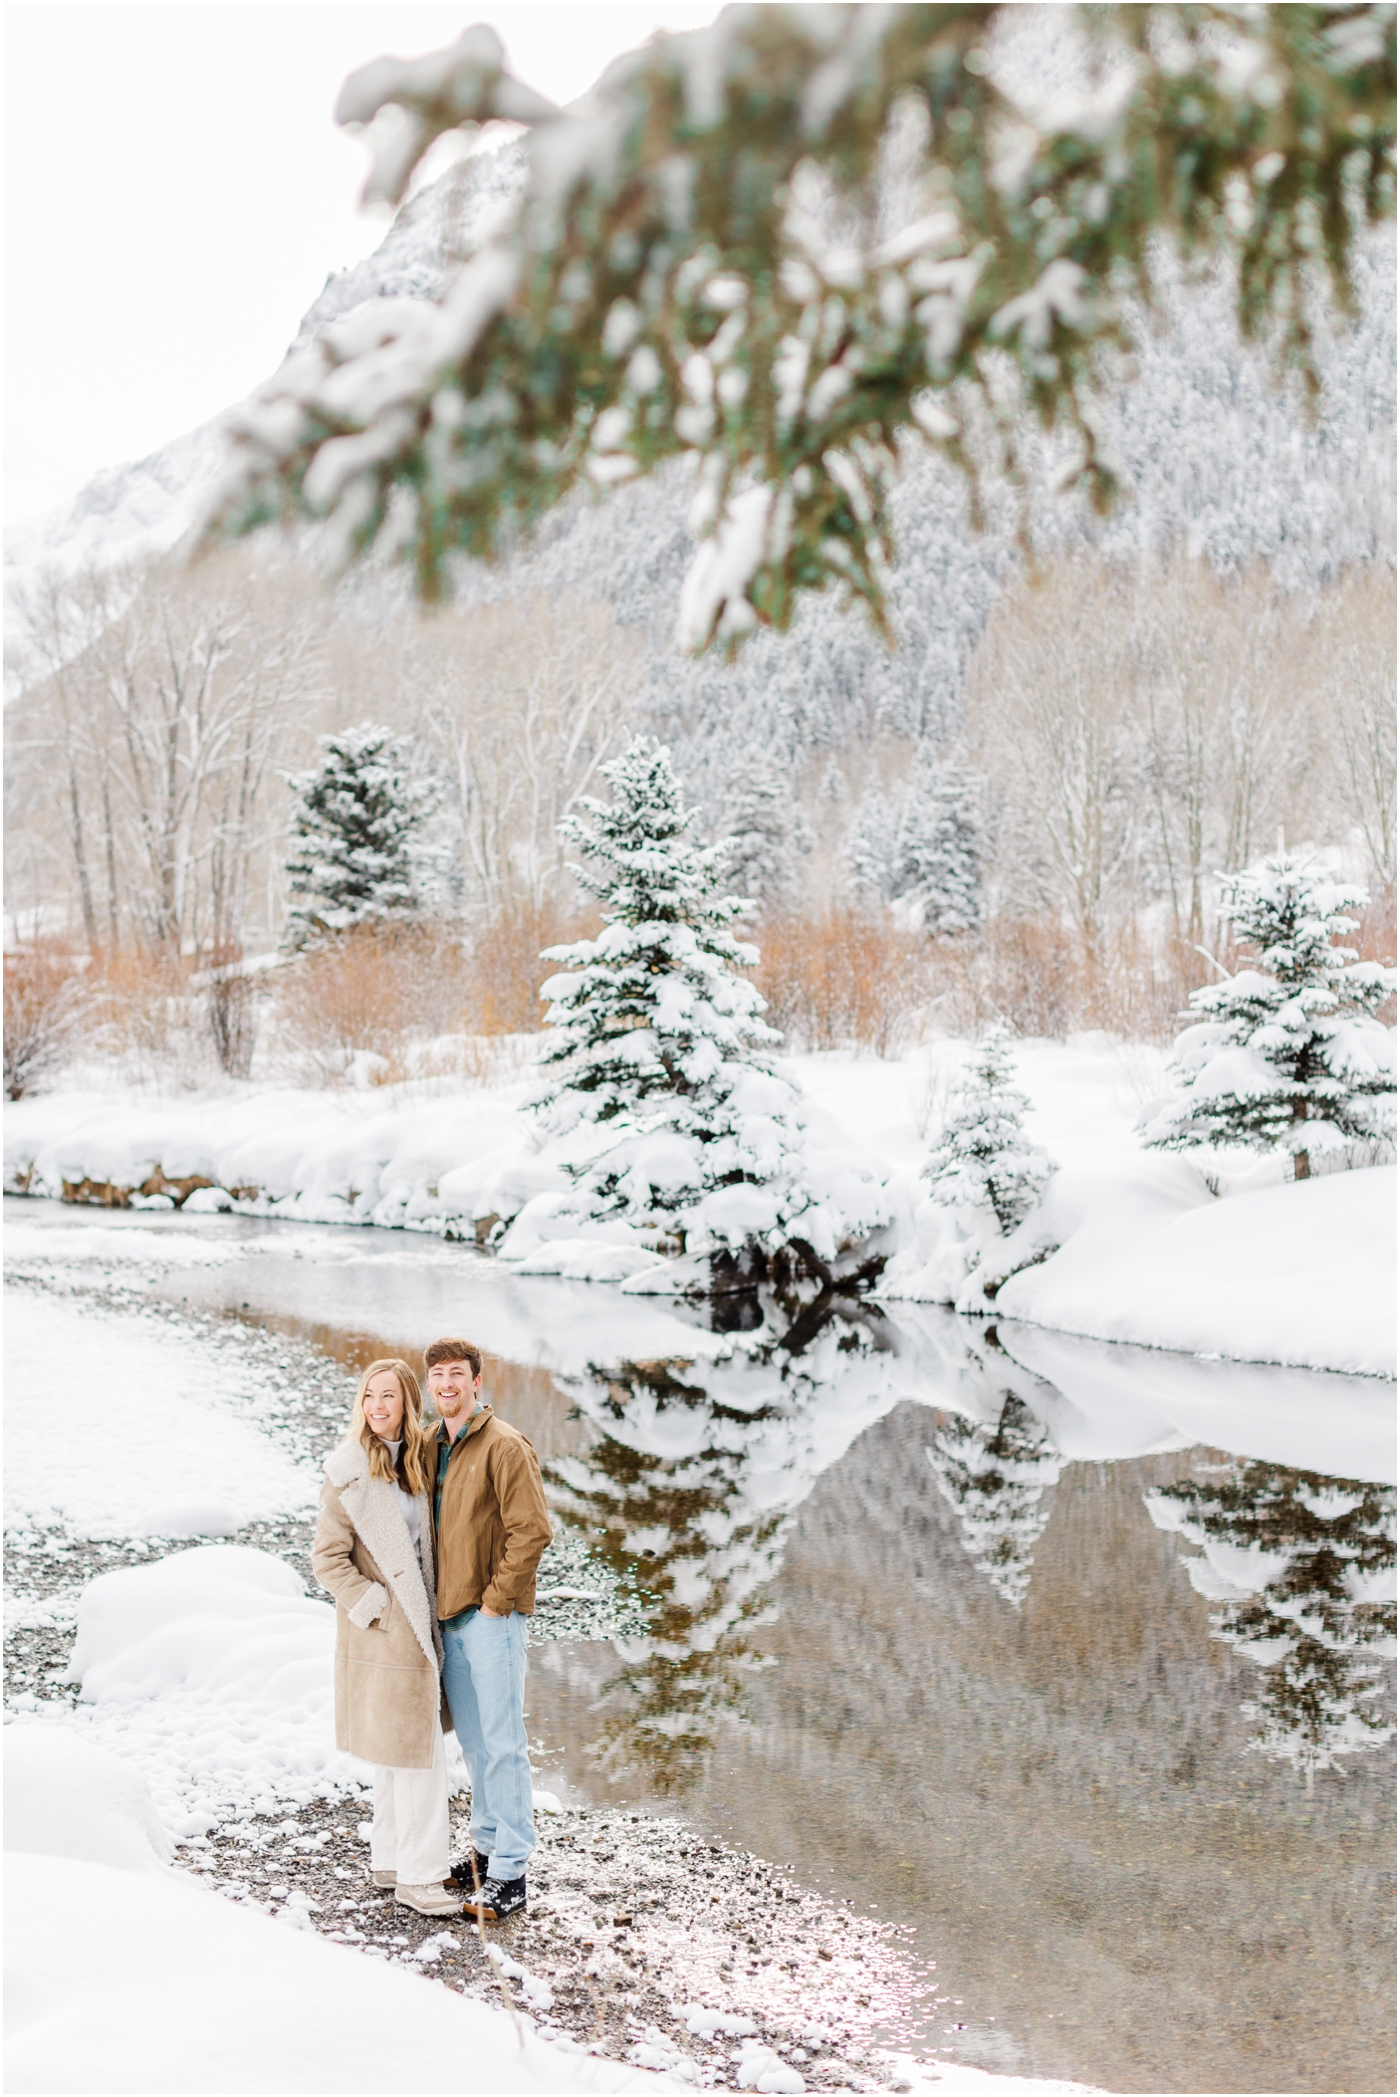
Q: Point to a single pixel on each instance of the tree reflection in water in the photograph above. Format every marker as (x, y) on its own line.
(687, 1494)
(1304, 1566)
(701, 1460)
(993, 1474)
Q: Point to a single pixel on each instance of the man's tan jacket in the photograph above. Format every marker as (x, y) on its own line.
(494, 1523)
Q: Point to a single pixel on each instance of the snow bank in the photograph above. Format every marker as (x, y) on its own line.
(468, 1168)
(66, 1798)
(212, 1671)
(1128, 1246)
(1300, 1274)
(190, 1993)
(121, 1429)
(318, 1157)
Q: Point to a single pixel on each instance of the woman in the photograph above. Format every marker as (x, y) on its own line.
(373, 1552)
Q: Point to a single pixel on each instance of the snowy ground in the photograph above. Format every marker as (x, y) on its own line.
(162, 1513)
(1129, 1246)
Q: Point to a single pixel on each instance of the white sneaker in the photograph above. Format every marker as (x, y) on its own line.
(384, 1878)
(431, 1900)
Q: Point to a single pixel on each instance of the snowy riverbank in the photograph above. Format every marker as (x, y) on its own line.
(169, 1755)
(1126, 1246)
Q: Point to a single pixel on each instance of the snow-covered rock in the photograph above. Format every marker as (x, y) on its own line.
(66, 1798)
(214, 1669)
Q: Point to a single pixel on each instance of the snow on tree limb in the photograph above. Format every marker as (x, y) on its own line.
(663, 288)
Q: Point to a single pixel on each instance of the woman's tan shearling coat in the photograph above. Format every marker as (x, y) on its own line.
(387, 1649)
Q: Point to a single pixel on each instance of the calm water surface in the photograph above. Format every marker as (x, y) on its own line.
(921, 1624)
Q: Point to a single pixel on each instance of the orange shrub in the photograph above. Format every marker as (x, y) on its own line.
(44, 1001)
(1043, 978)
(504, 970)
(844, 979)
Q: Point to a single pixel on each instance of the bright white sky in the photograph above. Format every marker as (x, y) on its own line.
(176, 195)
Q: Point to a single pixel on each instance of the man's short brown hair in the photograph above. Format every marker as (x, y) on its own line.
(453, 1351)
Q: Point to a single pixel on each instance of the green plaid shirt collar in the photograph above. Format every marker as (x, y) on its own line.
(445, 1445)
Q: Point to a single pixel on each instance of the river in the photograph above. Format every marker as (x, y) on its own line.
(1070, 1658)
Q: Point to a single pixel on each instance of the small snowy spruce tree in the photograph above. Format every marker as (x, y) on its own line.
(940, 851)
(766, 829)
(993, 1475)
(1303, 1567)
(1287, 1054)
(983, 1160)
(657, 1082)
(357, 821)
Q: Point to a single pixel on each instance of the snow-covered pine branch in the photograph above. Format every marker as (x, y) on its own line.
(1287, 1054)
(658, 1092)
(686, 273)
(357, 856)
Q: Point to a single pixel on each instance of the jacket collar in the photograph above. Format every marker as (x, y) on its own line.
(474, 1426)
(347, 1462)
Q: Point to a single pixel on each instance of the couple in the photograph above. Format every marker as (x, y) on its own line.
(429, 1541)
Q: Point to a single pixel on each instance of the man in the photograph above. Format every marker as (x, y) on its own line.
(490, 1526)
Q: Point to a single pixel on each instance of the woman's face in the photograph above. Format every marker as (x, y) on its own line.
(384, 1405)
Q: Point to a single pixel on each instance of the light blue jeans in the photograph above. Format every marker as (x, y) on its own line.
(483, 1677)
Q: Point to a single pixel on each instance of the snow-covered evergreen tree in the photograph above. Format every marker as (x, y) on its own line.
(922, 848)
(1305, 1568)
(983, 1159)
(940, 848)
(873, 848)
(657, 1082)
(994, 1475)
(765, 828)
(1287, 1055)
(357, 822)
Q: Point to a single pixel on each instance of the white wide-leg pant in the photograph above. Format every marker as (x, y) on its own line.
(412, 1836)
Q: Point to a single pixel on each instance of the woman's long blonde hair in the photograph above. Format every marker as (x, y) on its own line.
(413, 1457)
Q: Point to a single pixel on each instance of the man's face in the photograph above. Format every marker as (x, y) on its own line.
(453, 1389)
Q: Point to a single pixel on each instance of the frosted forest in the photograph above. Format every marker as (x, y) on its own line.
(788, 809)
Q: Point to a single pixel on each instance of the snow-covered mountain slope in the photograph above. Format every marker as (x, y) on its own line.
(124, 513)
(147, 505)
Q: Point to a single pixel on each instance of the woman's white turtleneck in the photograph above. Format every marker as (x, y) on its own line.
(407, 1502)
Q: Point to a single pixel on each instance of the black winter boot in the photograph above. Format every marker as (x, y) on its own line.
(470, 1871)
(498, 1899)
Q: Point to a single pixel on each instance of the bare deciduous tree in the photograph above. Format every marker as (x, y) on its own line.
(156, 697)
(1052, 705)
(522, 702)
(1147, 728)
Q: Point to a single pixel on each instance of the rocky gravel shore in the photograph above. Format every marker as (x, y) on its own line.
(643, 1941)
